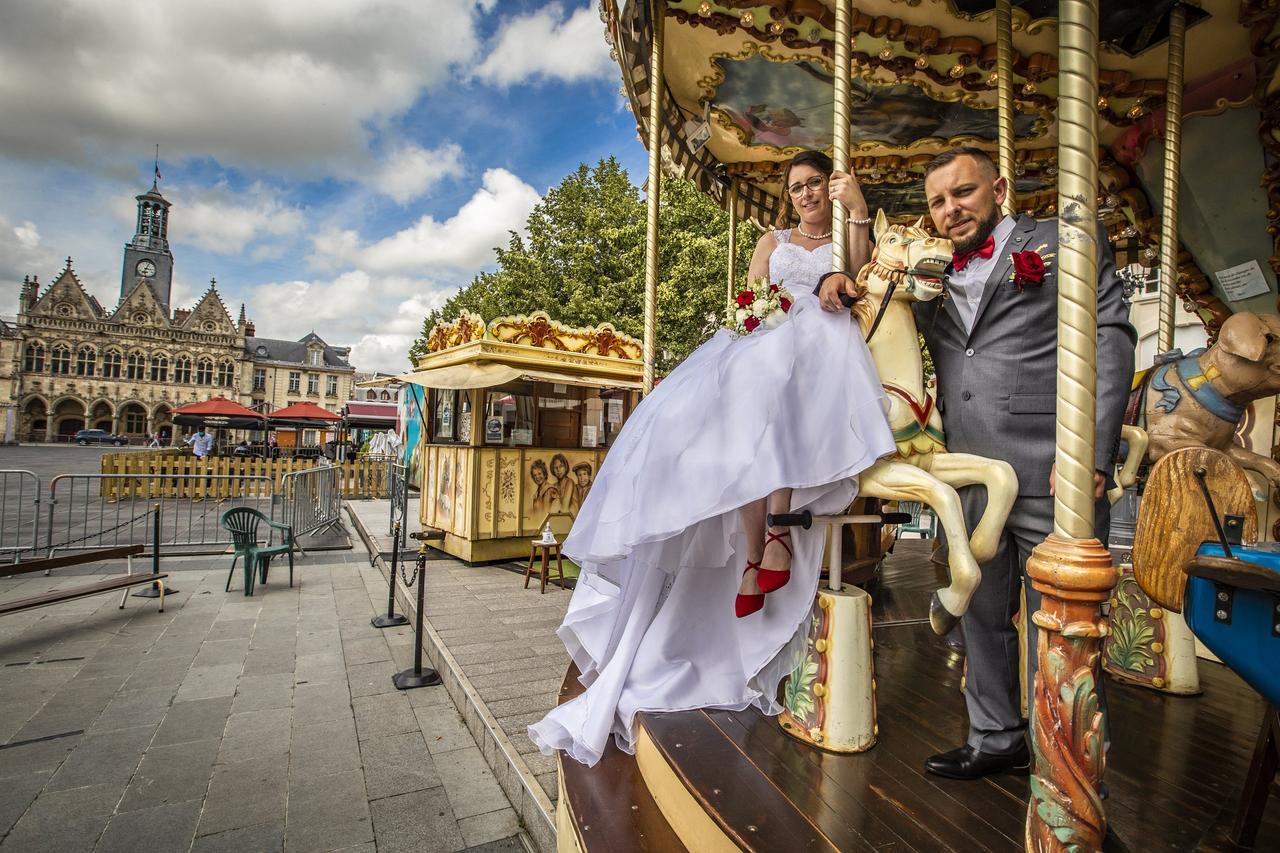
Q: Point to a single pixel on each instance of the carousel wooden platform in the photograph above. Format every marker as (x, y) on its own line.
(735, 781)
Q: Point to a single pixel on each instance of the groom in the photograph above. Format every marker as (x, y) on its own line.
(994, 346)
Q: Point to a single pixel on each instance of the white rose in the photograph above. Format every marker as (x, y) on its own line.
(740, 316)
(759, 307)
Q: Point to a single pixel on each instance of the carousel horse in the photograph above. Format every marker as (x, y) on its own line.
(907, 265)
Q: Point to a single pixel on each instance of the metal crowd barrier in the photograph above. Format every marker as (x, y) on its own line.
(105, 510)
(312, 501)
(19, 513)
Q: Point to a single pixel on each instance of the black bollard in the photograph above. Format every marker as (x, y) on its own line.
(417, 677)
(391, 619)
(153, 591)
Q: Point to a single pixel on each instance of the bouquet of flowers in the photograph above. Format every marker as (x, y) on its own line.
(761, 304)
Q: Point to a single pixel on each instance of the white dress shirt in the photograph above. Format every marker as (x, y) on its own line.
(966, 286)
(200, 444)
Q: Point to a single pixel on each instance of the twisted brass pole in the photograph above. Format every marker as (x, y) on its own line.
(1169, 196)
(840, 137)
(1077, 265)
(1004, 99)
(653, 193)
(733, 241)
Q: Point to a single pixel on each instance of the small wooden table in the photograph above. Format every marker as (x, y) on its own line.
(544, 549)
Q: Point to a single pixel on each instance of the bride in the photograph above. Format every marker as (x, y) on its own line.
(686, 599)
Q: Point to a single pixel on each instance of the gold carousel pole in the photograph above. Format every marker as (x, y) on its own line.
(733, 241)
(840, 136)
(1071, 569)
(653, 192)
(1169, 197)
(1004, 98)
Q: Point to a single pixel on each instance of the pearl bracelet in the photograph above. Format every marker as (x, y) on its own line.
(853, 221)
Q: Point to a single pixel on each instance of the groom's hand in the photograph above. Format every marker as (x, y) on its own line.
(836, 284)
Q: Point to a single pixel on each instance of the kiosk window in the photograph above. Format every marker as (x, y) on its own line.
(508, 415)
(450, 416)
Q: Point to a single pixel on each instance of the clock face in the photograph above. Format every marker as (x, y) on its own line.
(146, 268)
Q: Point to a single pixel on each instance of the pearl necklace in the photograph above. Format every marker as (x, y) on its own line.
(807, 235)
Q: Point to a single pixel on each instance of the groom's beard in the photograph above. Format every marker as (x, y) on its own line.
(985, 228)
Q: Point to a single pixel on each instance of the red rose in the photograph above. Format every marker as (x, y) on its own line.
(773, 288)
(1028, 269)
(785, 303)
(745, 298)
(750, 323)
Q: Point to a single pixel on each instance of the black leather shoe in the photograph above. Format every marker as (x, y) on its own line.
(969, 763)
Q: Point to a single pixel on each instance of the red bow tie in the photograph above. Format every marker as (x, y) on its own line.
(986, 250)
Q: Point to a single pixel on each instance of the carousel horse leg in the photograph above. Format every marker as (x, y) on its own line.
(964, 469)
(893, 480)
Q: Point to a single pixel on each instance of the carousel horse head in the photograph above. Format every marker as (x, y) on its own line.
(907, 262)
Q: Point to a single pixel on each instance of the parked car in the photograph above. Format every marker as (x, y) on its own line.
(86, 437)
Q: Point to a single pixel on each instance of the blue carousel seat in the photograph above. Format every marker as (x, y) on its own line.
(1233, 606)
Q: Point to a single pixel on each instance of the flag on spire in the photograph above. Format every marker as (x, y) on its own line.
(157, 161)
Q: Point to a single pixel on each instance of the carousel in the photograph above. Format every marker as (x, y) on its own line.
(1151, 125)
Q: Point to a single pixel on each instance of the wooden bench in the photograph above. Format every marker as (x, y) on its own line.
(111, 584)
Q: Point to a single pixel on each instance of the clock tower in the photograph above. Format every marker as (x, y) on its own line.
(147, 257)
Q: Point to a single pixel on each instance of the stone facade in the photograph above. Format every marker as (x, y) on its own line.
(69, 364)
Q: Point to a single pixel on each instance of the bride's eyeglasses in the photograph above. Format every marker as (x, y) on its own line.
(815, 183)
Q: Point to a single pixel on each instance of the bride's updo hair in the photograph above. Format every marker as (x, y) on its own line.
(814, 160)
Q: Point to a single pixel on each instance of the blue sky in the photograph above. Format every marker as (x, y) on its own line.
(338, 165)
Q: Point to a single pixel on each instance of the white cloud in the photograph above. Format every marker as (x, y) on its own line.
(465, 241)
(292, 85)
(410, 171)
(22, 254)
(222, 221)
(545, 45)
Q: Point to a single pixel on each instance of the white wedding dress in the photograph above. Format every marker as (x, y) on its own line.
(651, 623)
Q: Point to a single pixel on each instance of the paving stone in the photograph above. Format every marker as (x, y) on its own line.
(327, 813)
(502, 845)
(232, 629)
(159, 672)
(161, 829)
(366, 650)
(489, 827)
(323, 748)
(270, 662)
(265, 838)
(319, 668)
(208, 681)
(429, 697)
(63, 821)
(196, 720)
(134, 708)
(256, 734)
(318, 703)
(110, 757)
(370, 679)
(442, 729)
(222, 652)
(418, 822)
(397, 764)
(384, 714)
(260, 692)
(171, 774)
(470, 784)
(16, 794)
(245, 794)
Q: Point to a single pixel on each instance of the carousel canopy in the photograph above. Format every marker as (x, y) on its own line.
(303, 414)
(218, 412)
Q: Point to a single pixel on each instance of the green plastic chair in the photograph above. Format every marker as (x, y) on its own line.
(243, 523)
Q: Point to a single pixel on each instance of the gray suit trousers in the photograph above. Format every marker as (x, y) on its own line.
(991, 640)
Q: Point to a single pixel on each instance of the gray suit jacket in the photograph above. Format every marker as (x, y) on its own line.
(997, 384)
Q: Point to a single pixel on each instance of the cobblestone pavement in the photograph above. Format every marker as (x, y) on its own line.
(234, 723)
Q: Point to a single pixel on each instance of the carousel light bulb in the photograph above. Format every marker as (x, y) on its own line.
(775, 27)
(957, 70)
(1029, 87)
(748, 18)
(815, 34)
(1150, 254)
(1103, 102)
(1136, 110)
(704, 9)
(1129, 232)
(993, 78)
(922, 61)
(886, 52)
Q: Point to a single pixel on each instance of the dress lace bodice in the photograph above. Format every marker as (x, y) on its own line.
(795, 266)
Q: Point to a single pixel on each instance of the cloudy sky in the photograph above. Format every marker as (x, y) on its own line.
(338, 165)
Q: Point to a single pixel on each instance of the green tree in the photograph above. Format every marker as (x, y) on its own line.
(582, 262)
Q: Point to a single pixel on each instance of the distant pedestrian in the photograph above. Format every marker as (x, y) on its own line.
(201, 443)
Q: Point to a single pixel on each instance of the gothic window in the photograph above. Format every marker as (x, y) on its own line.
(371, 395)
(226, 373)
(135, 420)
(60, 360)
(111, 361)
(259, 379)
(295, 381)
(136, 366)
(159, 368)
(34, 362)
(86, 362)
(386, 395)
(182, 370)
(204, 371)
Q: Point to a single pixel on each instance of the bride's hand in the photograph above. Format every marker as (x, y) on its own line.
(844, 187)
(836, 284)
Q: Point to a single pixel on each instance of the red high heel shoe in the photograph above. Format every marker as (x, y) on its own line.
(745, 604)
(771, 580)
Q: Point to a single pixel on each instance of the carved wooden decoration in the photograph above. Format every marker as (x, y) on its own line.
(1174, 520)
(537, 330)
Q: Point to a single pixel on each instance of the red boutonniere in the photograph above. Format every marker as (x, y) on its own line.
(1029, 269)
